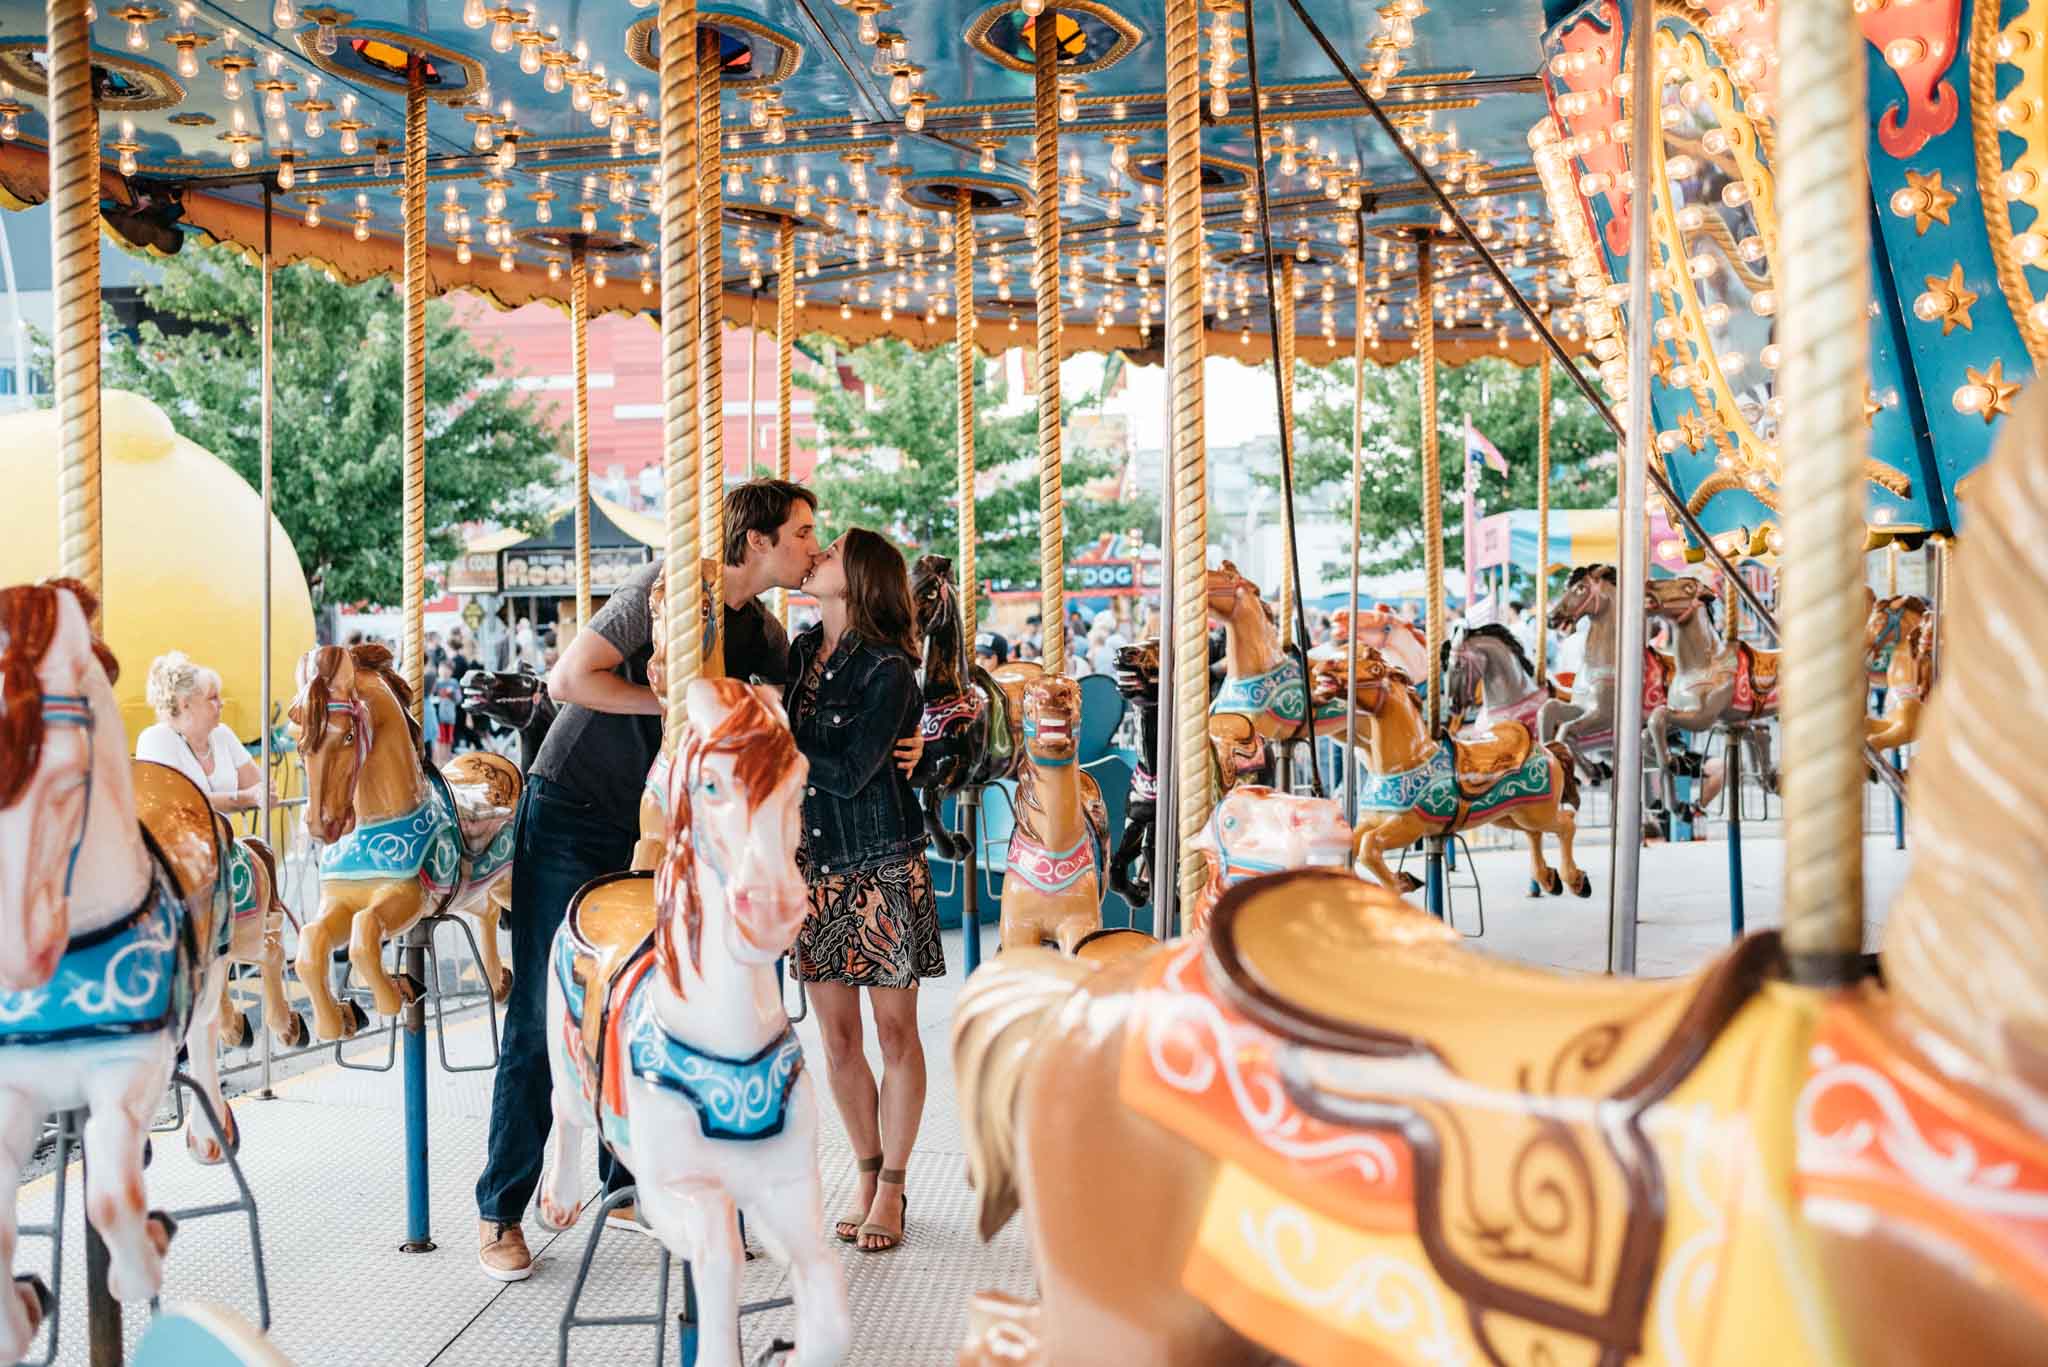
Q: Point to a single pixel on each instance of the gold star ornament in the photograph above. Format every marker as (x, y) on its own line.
(1947, 301)
(1988, 394)
(1924, 200)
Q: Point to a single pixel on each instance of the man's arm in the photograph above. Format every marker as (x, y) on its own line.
(583, 675)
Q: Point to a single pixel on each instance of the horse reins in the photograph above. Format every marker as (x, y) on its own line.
(75, 709)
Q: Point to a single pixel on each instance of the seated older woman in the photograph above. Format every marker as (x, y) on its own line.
(190, 737)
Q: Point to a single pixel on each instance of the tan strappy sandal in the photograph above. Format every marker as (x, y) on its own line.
(870, 1230)
(846, 1231)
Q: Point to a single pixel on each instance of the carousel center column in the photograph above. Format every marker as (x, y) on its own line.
(682, 568)
(1045, 205)
(75, 278)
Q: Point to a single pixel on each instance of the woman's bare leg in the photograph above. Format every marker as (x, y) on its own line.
(902, 1097)
(852, 1082)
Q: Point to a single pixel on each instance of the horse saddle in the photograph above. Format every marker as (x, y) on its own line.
(1484, 757)
(479, 812)
(610, 922)
(1538, 1197)
(1762, 666)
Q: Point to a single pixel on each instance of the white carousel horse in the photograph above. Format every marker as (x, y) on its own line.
(112, 950)
(1485, 666)
(1254, 830)
(1718, 682)
(670, 1036)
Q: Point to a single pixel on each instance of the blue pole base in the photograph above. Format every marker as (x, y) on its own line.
(1898, 805)
(1433, 877)
(418, 1229)
(969, 805)
(1735, 910)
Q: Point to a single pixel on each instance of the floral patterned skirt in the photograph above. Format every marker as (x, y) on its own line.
(871, 927)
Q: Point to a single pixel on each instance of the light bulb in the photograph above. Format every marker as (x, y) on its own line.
(899, 89)
(505, 261)
(286, 176)
(312, 215)
(138, 36)
(598, 276)
(188, 60)
(647, 287)
(589, 220)
(913, 118)
(501, 41)
(462, 253)
(870, 31)
(231, 84)
(529, 58)
(1070, 106)
(551, 81)
(316, 123)
(326, 40)
(1219, 106)
(543, 211)
(473, 14)
(1032, 8)
(239, 157)
(283, 16)
(988, 156)
(380, 165)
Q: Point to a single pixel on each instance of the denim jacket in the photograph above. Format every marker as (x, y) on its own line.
(858, 807)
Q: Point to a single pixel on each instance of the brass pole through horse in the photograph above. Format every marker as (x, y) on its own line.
(579, 343)
(266, 449)
(785, 367)
(1357, 517)
(1432, 481)
(1542, 521)
(682, 568)
(710, 333)
(965, 361)
(413, 666)
(1184, 666)
(1823, 212)
(1045, 203)
(75, 280)
(1283, 320)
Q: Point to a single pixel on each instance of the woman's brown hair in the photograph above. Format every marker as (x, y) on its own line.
(878, 605)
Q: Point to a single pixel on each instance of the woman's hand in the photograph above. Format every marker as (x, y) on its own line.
(909, 751)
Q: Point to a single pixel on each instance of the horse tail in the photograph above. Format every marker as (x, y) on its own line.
(1568, 768)
(1006, 1007)
(948, 844)
(1130, 869)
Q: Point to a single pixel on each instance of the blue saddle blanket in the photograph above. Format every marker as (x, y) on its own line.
(133, 977)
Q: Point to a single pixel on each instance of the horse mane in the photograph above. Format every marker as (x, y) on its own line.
(941, 631)
(29, 614)
(752, 731)
(316, 682)
(1583, 572)
(1966, 942)
(1492, 631)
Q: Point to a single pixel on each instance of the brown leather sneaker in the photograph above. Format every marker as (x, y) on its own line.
(501, 1252)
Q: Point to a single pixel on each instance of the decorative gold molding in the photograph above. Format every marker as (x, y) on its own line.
(1984, 132)
(472, 70)
(158, 88)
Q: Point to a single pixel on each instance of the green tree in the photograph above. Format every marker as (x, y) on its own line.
(894, 465)
(1498, 397)
(338, 386)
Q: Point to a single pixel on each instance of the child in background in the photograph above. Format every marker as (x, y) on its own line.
(446, 695)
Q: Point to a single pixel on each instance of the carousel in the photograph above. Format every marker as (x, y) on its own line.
(1269, 1107)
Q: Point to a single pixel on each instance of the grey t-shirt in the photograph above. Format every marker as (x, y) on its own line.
(602, 758)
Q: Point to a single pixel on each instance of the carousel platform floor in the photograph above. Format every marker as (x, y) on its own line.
(325, 1159)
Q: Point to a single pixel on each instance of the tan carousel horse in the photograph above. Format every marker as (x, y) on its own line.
(1340, 1137)
(402, 838)
(1718, 683)
(1898, 638)
(1053, 878)
(258, 940)
(1415, 786)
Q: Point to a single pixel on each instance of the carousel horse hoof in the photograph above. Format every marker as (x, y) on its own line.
(162, 1229)
(1553, 883)
(148, 1151)
(503, 988)
(1582, 886)
(778, 1351)
(1408, 881)
(1535, 888)
(235, 1030)
(410, 989)
(294, 1033)
(36, 1301)
(353, 1019)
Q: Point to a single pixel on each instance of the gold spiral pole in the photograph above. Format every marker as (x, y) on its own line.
(579, 340)
(1045, 270)
(785, 368)
(1542, 520)
(1825, 290)
(1731, 609)
(1358, 316)
(1891, 570)
(682, 568)
(75, 279)
(414, 425)
(966, 359)
(710, 332)
(1283, 320)
(1187, 662)
(1432, 480)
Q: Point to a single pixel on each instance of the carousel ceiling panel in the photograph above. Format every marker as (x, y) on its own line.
(862, 124)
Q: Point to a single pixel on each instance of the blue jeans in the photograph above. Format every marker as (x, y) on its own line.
(559, 844)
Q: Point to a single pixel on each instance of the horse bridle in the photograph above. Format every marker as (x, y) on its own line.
(1894, 620)
(359, 717)
(75, 709)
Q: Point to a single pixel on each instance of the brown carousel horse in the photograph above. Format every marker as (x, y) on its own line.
(1719, 682)
(1898, 638)
(1415, 785)
(965, 725)
(1340, 1137)
(1585, 722)
(1052, 883)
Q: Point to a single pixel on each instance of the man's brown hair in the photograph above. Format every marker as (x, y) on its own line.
(760, 505)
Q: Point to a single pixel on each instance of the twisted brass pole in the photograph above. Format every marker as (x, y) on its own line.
(1283, 320)
(579, 341)
(1731, 608)
(967, 362)
(1045, 198)
(682, 567)
(1432, 483)
(1825, 290)
(785, 367)
(710, 332)
(1542, 520)
(414, 423)
(75, 280)
(1184, 680)
(1357, 521)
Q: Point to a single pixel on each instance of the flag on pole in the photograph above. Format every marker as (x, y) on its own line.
(1478, 448)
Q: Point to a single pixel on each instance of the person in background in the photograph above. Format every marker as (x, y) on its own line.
(1521, 626)
(435, 652)
(991, 650)
(465, 725)
(190, 737)
(446, 694)
(873, 920)
(1030, 642)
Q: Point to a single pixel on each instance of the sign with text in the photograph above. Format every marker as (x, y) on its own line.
(553, 572)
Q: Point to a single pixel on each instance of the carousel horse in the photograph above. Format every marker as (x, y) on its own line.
(404, 839)
(258, 937)
(115, 948)
(1052, 884)
(1585, 724)
(1395, 637)
(1254, 830)
(1900, 633)
(965, 725)
(518, 701)
(1238, 752)
(672, 1040)
(1718, 683)
(1339, 1136)
(1262, 678)
(1415, 786)
(1130, 868)
(1487, 668)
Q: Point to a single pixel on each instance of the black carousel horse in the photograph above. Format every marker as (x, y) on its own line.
(966, 726)
(518, 701)
(1130, 869)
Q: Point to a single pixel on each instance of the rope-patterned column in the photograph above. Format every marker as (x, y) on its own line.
(1432, 481)
(1731, 610)
(1283, 321)
(682, 569)
(1358, 340)
(785, 368)
(1187, 453)
(710, 330)
(1045, 270)
(75, 280)
(1542, 520)
(579, 342)
(1825, 290)
(967, 362)
(414, 423)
